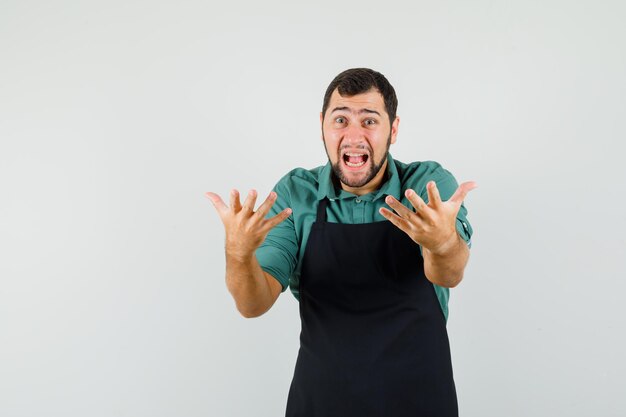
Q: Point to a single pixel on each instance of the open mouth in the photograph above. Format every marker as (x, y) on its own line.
(355, 160)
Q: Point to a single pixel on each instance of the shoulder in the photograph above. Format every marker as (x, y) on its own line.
(300, 180)
(420, 172)
(301, 176)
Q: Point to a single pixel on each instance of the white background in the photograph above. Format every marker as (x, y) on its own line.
(117, 117)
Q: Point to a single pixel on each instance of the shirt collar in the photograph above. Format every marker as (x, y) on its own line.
(390, 187)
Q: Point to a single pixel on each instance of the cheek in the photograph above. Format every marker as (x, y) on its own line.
(331, 149)
(381, 140)
(331, 141)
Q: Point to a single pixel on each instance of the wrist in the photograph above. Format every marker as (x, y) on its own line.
(447, 247)
(239, 256)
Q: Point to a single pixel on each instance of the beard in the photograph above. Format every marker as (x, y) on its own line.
(370, 174)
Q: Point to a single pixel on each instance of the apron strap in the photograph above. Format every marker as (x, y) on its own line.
(321, 210)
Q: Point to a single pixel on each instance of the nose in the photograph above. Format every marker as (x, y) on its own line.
(354, 135)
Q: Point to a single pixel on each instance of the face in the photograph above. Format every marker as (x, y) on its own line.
(357, 135)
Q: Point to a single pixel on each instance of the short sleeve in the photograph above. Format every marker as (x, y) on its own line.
(277, 255)
(447, 185)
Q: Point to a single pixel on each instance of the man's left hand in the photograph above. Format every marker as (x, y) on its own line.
(430, 225)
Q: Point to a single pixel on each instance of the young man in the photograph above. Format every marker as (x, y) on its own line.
(369, 246)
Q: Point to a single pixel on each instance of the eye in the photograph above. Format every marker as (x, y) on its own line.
(340, 119)
(370, 122)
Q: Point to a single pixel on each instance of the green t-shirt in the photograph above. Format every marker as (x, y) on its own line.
(281, 254)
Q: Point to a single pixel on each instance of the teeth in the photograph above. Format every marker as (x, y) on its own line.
(350, 164)
(355, 154)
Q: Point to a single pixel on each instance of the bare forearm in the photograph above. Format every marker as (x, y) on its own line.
(446, 269)
(246, 282)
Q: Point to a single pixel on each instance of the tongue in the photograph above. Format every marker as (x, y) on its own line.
(356, 159)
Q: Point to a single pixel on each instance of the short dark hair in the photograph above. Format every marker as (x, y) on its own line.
(355, 81)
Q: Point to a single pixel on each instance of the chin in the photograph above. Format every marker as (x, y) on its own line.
(354, 180)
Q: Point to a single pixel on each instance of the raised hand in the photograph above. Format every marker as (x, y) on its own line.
(245, 228)
(430, 225)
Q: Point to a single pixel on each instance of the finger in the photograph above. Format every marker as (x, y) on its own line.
(271, 222)
(235, 204)
(399, 222)
(248, 205)
(434, 199)
(461, 192)
(402, 210)
(416, 201)
(267, 205)
(219, 205)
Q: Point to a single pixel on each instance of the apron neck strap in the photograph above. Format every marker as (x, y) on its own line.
(321, 210)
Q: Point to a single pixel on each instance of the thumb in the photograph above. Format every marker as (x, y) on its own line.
(462, 191)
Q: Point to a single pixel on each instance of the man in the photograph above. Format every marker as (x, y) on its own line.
(372, 281)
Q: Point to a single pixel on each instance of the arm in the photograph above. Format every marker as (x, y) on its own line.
(446, 268)
(432, 226)
(253, 290)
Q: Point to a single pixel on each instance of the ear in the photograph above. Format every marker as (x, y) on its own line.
(322, 126)
(394, 129)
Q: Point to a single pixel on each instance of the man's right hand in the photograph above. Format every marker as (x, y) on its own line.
(246, 229)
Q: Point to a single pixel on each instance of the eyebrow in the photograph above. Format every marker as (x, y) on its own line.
(360, 111)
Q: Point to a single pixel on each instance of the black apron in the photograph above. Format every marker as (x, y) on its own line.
(373, 341)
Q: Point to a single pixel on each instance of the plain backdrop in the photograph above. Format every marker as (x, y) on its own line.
(116, 117)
